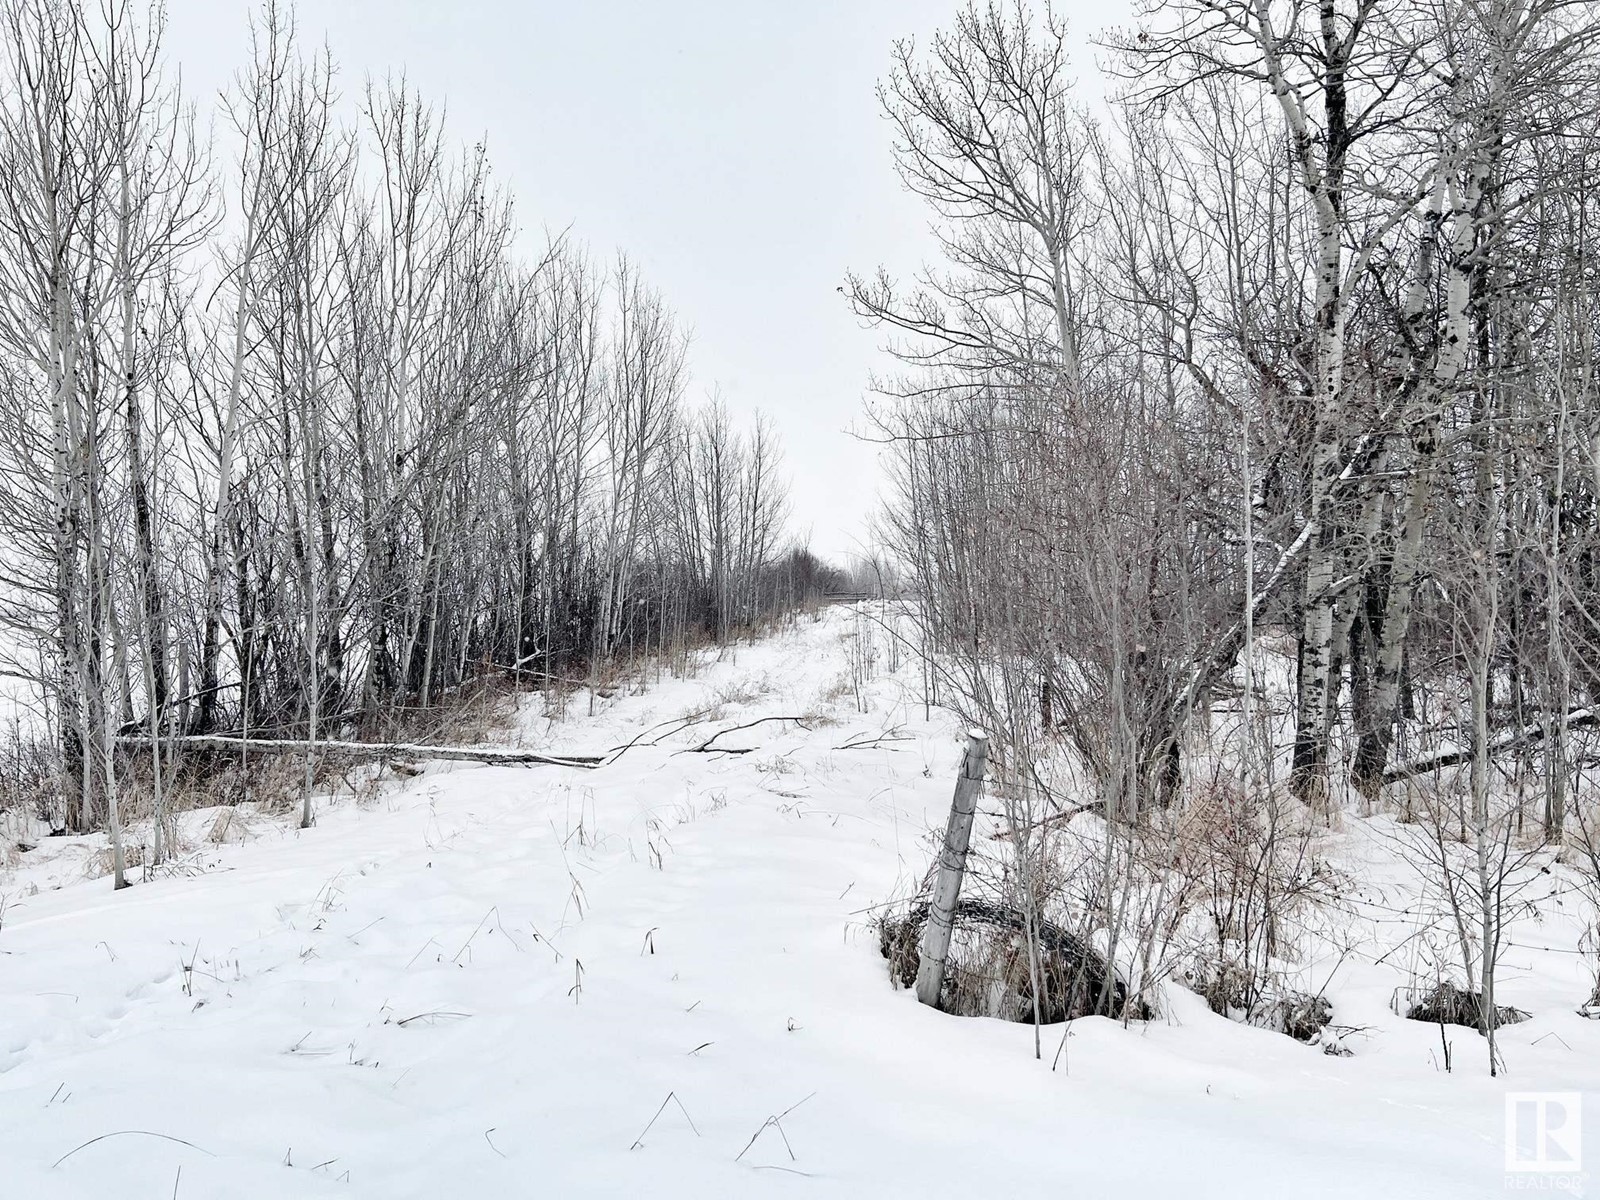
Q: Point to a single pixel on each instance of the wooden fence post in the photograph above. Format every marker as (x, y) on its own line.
(952, 865)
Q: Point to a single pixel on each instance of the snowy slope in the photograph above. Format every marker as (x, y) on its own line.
(490, 983)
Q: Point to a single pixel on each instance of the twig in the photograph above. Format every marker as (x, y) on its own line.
(539, 937)
(166, 1137)
(708, 747)
(1060, 818)
(440, 1012)
(494, 911)
(866, 743)
(418, 954)
(680, 723)
(775, 1122)
(672, 1097)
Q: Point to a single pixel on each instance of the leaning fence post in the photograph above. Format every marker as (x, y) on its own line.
(952, 865)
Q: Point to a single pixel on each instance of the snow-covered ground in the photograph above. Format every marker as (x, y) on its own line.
(658, 979)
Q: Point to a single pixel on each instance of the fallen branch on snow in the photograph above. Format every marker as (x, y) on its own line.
(873, 741)
(1576, 719)
(708, 746)
(482, 754)
(679, 724)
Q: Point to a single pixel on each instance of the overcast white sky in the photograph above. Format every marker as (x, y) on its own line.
(732, 147)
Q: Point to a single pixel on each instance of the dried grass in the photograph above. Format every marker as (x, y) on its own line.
(1448, 1004)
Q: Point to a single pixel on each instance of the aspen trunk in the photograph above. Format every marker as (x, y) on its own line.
(1434, 387)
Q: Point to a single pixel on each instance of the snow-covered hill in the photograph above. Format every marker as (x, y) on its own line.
(658, 979)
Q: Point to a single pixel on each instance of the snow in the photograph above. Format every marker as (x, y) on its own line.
(491, 980)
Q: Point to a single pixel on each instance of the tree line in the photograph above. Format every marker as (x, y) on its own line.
(298, 441)
(1280, 368)
(1299, 341)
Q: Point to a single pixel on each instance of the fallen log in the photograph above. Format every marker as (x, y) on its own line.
(1576, 719)
(480, 754)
